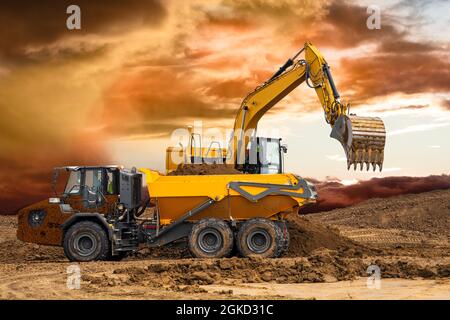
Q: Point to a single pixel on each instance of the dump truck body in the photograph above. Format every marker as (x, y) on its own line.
(236, 197)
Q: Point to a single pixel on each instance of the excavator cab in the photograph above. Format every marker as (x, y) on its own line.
(264, 156)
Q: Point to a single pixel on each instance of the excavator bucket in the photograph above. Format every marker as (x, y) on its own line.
(363, 139)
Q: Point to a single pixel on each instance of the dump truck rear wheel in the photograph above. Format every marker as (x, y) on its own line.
(260, 237)
(86, 241)
(210, 238)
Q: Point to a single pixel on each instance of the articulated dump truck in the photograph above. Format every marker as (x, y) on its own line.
(100, 213)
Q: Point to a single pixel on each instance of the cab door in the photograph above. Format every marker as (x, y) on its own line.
(86, 190)
(93, 188)
(269, 155)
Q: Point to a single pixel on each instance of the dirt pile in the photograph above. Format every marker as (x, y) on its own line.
(307, 236)
(323, 266)
(427, 213)
(203, 169)
(13, 250)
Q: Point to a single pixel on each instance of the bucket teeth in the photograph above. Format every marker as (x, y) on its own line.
(365, 157)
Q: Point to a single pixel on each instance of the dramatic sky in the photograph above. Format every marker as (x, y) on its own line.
(114, 91)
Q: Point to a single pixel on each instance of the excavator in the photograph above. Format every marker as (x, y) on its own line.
(363, 138)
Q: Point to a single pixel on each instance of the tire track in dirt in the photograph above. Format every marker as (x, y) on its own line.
(31, 285)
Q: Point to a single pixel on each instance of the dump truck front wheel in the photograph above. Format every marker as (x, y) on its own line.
(260, 237)
(210, 238)
(86, 241)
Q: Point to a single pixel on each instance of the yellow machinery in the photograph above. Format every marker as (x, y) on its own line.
(363, 138)
(99, 215)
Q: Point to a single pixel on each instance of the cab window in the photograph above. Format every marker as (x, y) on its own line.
(111, 183)
(73, 183)
(93, 179)
(270, 157)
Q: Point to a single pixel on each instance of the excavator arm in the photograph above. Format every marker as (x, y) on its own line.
(363, 138)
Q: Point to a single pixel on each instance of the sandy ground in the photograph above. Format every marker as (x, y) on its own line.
(407, 237)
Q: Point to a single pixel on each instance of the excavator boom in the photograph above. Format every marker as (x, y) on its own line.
(363, 138)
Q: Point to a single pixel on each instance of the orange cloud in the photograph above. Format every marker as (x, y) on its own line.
(383, 74)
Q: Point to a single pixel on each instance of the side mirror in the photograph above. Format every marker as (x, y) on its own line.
(284, 148)
(54, 200)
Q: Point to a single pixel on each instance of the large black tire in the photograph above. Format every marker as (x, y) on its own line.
(260, 237)
(210, 238)
(86, 241)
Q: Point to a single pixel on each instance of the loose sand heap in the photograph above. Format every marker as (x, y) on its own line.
(307, 236)
(203, 169)
(427, 213)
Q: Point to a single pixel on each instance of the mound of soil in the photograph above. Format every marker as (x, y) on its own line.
(203, 169)
(307, 236)
(13, 250)
(426, 212)
(323, 266)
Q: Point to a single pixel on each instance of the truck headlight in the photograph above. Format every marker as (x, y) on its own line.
(54, 200)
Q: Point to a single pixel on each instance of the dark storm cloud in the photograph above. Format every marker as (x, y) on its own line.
(407, 73)
(28, 23)
(26, 178)
(410, 107)
(334, 195)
